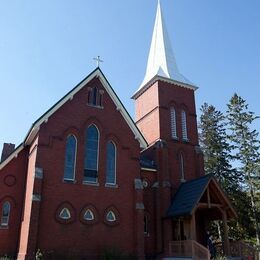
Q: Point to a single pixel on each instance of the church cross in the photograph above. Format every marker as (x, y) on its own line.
(98, 60)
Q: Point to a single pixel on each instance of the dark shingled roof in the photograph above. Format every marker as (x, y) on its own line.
(188, 196)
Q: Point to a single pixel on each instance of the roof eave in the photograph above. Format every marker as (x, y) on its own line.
(120, 107)
(143, 88)
(14, 154)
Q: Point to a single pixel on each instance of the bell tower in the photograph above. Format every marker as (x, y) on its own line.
(164, 103)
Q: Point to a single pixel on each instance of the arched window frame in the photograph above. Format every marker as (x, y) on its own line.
(108, 181)
(173, 123)
(91, 214)
(75, 157)
(182, 167)
(6, 209)
(67, 212)
(87, 178)
(111, 213)
(184, 125)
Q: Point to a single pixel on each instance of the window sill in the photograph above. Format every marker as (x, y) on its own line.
(4, 227)
(183, 180)
(96, 184)
(95, 106)
(175, 138)
(110, 185)
(186, 140)
(69, 181)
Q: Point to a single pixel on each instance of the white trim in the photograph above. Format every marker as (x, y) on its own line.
(91, 213)
(148, 169)
(96, 73)
(11, 156)
(113, 216)
(140, 91)
(67, 211)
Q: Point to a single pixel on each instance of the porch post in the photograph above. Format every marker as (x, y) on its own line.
(193, 227)
(226, 240)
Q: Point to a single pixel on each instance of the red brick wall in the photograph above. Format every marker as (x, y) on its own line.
(74, 117)
(12, 182)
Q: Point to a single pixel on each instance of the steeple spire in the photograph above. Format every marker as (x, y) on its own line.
(161, 60)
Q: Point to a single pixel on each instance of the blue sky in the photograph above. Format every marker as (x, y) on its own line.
(47, 47)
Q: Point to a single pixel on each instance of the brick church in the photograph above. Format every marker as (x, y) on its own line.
(87, 178)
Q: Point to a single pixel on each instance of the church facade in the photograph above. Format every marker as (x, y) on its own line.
(87, 178)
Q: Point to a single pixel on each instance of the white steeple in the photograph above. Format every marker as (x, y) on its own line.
(161, 60)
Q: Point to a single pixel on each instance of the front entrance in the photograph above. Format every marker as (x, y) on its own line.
(181, 229)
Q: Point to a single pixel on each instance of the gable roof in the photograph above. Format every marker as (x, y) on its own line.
(44, 118)
(189, 195)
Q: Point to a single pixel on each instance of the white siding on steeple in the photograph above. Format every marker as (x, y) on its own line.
(161, 60)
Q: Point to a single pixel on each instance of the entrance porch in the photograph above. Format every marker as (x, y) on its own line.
(194, 206)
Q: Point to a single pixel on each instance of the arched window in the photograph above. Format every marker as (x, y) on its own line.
(91, 154)
(65, 214)
(70, 158)
(173, 123)
(5, 214)
(88, 215)
(182, 173)
(111, 217)
(184, 125)
(111, 163)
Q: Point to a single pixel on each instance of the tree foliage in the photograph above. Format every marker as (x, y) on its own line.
(231, 153)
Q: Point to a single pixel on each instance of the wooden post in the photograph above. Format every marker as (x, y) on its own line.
(226, 240)
(193, 227)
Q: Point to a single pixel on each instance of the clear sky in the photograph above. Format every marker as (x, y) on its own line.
(47, 47)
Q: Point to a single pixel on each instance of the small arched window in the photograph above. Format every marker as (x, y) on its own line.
(184, 125)
(173, 123)
(88, 215)
(91, 154)
(182, 172)
(5, 214)
(111, 163)
(70, 158)
(65, 214)
(111, 217)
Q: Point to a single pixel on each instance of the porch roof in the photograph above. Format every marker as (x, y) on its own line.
(189, 194)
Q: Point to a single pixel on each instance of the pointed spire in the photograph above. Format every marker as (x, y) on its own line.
(161, 60)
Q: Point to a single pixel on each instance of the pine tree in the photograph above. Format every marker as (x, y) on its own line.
(213, 141)
(216, 149)
(246, 145)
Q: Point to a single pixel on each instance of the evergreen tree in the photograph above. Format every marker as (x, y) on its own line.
(246, 145)
(213, 141)
(217, 159)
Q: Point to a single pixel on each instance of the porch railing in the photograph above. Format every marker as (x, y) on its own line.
(243, 250)
(188, 248)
